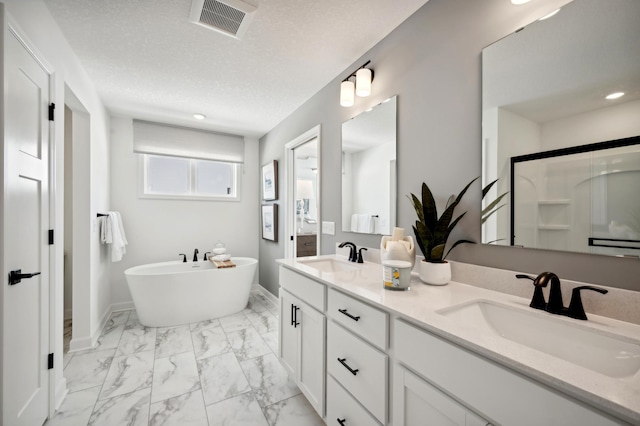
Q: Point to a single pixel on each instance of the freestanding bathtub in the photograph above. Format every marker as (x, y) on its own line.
(174, 293)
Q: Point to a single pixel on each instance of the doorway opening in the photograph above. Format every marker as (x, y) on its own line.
(302, 204)
(77, 225)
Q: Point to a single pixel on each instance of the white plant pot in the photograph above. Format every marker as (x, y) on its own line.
(435, 273)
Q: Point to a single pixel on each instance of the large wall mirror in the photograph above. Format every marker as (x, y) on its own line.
(566, 154)
(369, 170)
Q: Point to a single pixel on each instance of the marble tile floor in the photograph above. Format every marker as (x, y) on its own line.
(222, 371)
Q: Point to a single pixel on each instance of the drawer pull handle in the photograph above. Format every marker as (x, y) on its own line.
(341, 421)
(344, 311)
(343, 362)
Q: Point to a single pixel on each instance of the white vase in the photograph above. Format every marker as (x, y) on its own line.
(435, 273)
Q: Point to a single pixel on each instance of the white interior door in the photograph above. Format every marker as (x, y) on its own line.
(25, 322)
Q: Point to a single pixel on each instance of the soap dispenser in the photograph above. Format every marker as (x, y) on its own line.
(398, 247)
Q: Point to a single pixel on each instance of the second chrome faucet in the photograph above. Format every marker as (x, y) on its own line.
(555, 305)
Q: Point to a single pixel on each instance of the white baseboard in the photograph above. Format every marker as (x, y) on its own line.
(80, 344)
(122, 306)
(88, 342)
(266, 293)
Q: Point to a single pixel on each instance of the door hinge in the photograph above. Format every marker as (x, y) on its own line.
(52, 107)
(50, 362)
(50, 236)
(292, 238)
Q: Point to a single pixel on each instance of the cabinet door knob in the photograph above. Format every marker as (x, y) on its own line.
(344, 363)
(344, 311)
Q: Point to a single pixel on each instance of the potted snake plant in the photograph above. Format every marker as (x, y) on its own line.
(432, 233)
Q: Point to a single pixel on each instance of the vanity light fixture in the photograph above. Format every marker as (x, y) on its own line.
(615, 95)
(199, 116)
(361, 87)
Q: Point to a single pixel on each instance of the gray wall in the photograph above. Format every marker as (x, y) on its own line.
(433, 63)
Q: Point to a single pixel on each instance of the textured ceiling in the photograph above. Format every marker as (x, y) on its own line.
(148, 61)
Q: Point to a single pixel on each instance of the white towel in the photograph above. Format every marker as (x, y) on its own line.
(354, 222)
(365, 223)
(112, 232)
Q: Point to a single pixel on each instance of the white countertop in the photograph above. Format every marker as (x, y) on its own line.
(617, 396)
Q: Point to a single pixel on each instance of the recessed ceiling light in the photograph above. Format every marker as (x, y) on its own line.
(199, 116)
(549, 15)
(519, 1)
(615, 95)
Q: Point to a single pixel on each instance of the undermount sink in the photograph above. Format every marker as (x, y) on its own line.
(328, 265)
(614, 356)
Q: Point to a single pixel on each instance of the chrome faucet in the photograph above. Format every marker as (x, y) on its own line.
(353, 250)
(555, 305)
(195, 255)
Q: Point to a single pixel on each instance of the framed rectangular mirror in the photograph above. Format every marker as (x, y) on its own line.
(545, 109)
(369, 170)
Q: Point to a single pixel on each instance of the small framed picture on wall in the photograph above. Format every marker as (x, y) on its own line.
(270, 222)
(270, 181)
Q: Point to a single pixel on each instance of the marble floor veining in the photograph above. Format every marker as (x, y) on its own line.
(222, 371)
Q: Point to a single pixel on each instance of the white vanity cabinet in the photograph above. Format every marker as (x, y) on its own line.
(364, 360)
(303, 342)
(495, 392)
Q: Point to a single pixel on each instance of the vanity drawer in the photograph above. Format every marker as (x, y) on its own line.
(369, 323)
(306, 245)
(308, 290)
(341, 405)
(369, 384)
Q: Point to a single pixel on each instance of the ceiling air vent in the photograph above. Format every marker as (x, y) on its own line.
(229, 17)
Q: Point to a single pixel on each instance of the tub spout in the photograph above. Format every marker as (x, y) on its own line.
(195, 255)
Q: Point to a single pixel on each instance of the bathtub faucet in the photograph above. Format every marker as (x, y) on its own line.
(195, 255)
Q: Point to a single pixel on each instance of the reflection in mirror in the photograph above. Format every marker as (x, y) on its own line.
(563, 199)
(545, 89)
(305, 168)
(369, 170)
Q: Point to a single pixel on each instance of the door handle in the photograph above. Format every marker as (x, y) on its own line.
(15, 277)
